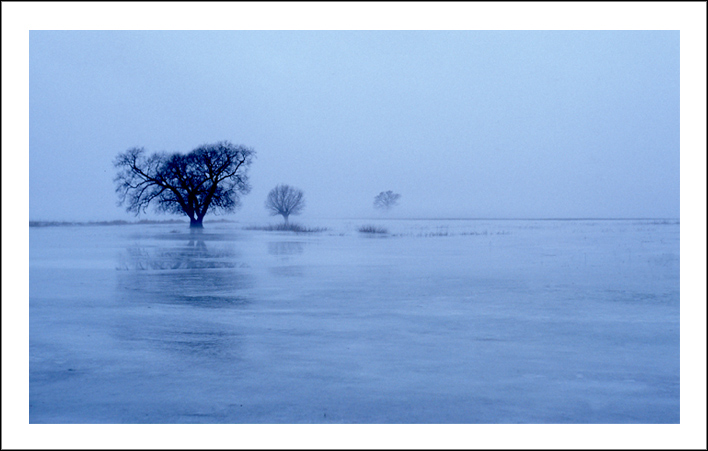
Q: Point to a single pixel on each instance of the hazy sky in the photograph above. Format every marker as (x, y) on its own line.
(460, 123)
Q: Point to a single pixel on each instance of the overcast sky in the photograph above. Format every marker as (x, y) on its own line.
(503, 124)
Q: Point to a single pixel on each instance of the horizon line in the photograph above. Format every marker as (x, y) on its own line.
(178, 220)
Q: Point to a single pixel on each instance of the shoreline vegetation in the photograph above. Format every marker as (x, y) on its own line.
(298, 228)
(373, 229)
(111, 223)
(289, 227)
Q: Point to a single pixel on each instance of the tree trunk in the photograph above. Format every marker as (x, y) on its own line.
(195, 223)
(286, 218)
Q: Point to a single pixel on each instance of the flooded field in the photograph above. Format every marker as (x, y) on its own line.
(434, 321)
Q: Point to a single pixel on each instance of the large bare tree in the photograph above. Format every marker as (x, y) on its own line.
(386, 200)
(209, 178)
(285, 200)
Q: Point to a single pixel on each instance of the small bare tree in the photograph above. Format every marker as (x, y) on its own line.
(285, 200)
(386, 200)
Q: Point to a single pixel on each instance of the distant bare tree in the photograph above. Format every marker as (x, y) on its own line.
(210, 177)
(386, 200)
(285, 200)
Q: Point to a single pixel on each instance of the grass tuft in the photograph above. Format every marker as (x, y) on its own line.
(291, 227)
(372, 229)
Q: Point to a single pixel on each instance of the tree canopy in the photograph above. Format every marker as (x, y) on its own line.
(209, 178)
(386, 200)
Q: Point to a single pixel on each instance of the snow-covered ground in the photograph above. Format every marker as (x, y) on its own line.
(444, 321)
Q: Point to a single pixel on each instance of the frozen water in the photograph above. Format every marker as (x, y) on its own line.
(454, 321)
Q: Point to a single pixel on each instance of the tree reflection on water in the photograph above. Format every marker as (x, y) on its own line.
(283, 248)
(193, 273)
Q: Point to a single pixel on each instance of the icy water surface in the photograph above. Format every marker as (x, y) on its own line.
(434, 322)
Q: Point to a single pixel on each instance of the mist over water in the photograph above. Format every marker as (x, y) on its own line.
(423, 312)
(471, 124)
